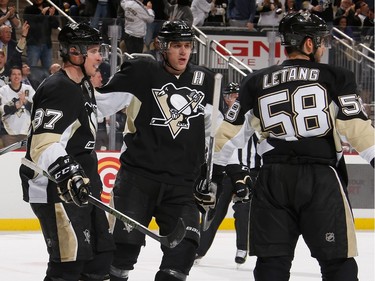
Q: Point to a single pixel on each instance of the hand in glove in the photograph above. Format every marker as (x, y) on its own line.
(240, 177)
(72, 183)
(205, 192)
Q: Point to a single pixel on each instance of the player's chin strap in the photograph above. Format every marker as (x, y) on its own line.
(166, 61)
(82, 65)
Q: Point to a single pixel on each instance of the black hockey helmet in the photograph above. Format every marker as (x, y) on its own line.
(78, 35)
(294, 28)
(173, 31)
(231, 88)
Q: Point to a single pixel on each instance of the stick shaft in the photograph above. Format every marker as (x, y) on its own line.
(13, 146)
(214, 114)
(166, 241)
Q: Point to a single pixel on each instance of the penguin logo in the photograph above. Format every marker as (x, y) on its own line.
(177, 105)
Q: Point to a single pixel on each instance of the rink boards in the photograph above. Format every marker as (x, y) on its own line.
(15, 214)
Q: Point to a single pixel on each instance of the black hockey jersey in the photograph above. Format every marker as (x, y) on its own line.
(300, 109)
(64, 122)
(167, 119)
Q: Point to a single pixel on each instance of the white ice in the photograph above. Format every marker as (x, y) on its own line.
(23, 257)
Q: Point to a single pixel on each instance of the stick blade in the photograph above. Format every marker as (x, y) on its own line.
(207, 218)
(175, 237)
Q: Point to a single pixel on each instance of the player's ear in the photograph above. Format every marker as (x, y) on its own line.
(309, 45)
(74, 51)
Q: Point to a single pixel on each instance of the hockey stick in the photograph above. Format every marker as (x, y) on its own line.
(171, 240)
(13, 146)
(209, 215)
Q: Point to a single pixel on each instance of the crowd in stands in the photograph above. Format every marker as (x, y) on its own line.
(26, 40)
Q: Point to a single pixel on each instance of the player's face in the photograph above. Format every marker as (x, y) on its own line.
(230, 99)
(178, 55)
(93, 59)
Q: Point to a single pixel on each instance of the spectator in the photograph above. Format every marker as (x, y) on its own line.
(9, 16)
(112, 17)
(361, 11)
(368, 29)
(73, 8)
(200, 10)
(342, 54)
(42, 20)
(241, 13)
(218, 15)
(12, 49)
(4, 77)
(101, 11)
(137, 16)
(347, 9)
(341, 23)
(54, 68)
(369, 20)
(180, 11)
(88, 9)
(154, 27)
(290, 6)
(25, 74)
(26, 79)
(270, 12)
(16, 101)
(155, 52)
(323, 9)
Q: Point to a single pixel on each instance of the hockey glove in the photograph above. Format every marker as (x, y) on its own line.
(205, 192)
(72, 183)
(241, 181)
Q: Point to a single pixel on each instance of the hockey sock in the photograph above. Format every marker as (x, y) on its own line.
(273, 268)
(339, 269)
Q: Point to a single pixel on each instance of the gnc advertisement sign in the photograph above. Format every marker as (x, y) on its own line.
(253, 51)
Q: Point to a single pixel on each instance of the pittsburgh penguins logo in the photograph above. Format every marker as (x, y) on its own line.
(177, 105)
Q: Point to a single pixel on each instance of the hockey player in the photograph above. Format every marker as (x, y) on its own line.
(16, 100)
(242, 161)
(302, 109)
(168, 113)
(62, 142)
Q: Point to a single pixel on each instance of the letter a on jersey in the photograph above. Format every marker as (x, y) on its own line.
(177, 105)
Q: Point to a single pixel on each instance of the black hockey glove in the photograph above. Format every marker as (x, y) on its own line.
(205, 192)
(72, 183)
(241, 180)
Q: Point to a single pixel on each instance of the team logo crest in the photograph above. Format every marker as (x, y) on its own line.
(177, 105)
